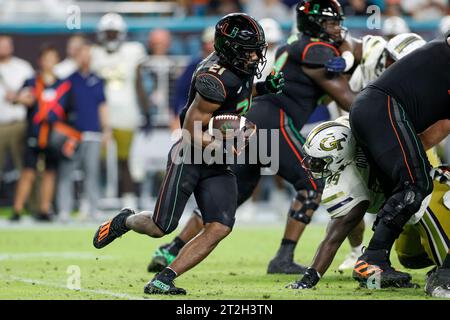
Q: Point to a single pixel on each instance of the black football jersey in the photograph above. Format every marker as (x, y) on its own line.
(216, 83)
(300, 93)
(420, 82)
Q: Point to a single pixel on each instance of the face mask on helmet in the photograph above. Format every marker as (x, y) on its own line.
(111, 31)
(111, 39)
(317, 167)
(321, 19)
(251, 62)
(241, 44)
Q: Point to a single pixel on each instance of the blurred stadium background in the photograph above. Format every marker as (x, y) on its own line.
(179, 27)
(36, 252)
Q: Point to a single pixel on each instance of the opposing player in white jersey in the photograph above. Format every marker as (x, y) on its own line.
(376, 55)
(118, 61)
(351, 190)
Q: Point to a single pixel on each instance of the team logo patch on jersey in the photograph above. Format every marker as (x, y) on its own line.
(330, 143)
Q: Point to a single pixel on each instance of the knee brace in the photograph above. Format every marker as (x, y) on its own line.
(400, 207)
(307, 204)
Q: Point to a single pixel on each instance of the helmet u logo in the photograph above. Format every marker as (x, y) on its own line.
(233, 32)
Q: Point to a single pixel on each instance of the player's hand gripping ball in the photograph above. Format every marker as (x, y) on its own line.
(232, 127)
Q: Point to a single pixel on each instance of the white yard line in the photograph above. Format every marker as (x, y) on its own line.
(55, 285)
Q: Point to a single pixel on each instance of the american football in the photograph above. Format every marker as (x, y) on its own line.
(231, 125)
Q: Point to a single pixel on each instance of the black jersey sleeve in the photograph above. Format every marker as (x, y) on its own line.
(217, 86)
(316, 54)
(211, 87)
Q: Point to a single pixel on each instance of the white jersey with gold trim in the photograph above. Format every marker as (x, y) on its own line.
(350, 186)
(372, 62)
(119, 70)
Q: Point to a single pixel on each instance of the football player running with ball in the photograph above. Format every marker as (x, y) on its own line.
(222, 84)
(312, 67)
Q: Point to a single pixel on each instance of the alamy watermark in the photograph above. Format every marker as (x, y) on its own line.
(374, 19)
(374, 280)
(73, 20)
(74, 279)
(230, 147)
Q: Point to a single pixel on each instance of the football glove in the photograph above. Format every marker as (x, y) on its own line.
(275, 82)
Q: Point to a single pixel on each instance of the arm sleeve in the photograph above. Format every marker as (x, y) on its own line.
(211, 88)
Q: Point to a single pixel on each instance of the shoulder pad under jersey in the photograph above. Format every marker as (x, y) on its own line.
(316, 54)
(216, 82)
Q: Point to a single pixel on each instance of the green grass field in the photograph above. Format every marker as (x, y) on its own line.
(34, 264)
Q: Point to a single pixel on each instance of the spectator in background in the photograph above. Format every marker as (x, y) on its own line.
(116, 61)
(184, 81)
(68, 66)
(393, 26)
(46, 99)
(275, 9)
(199, 7)
(210, 7)
(13, 73)
(160, 95)
(425, 9)
(355, 7)
(159, 41)
(224, 7)
(392, 8)
(158, 76)
(88, 114)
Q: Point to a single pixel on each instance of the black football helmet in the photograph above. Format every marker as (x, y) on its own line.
(237, 36)
(311, 15)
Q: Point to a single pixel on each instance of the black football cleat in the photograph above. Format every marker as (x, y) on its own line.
(112, 229)
(438, 283)
(285, 265)
(161, 258)
(15, 217)
(308, 281)
(43, 217)
(373, 270)
(161, 286)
